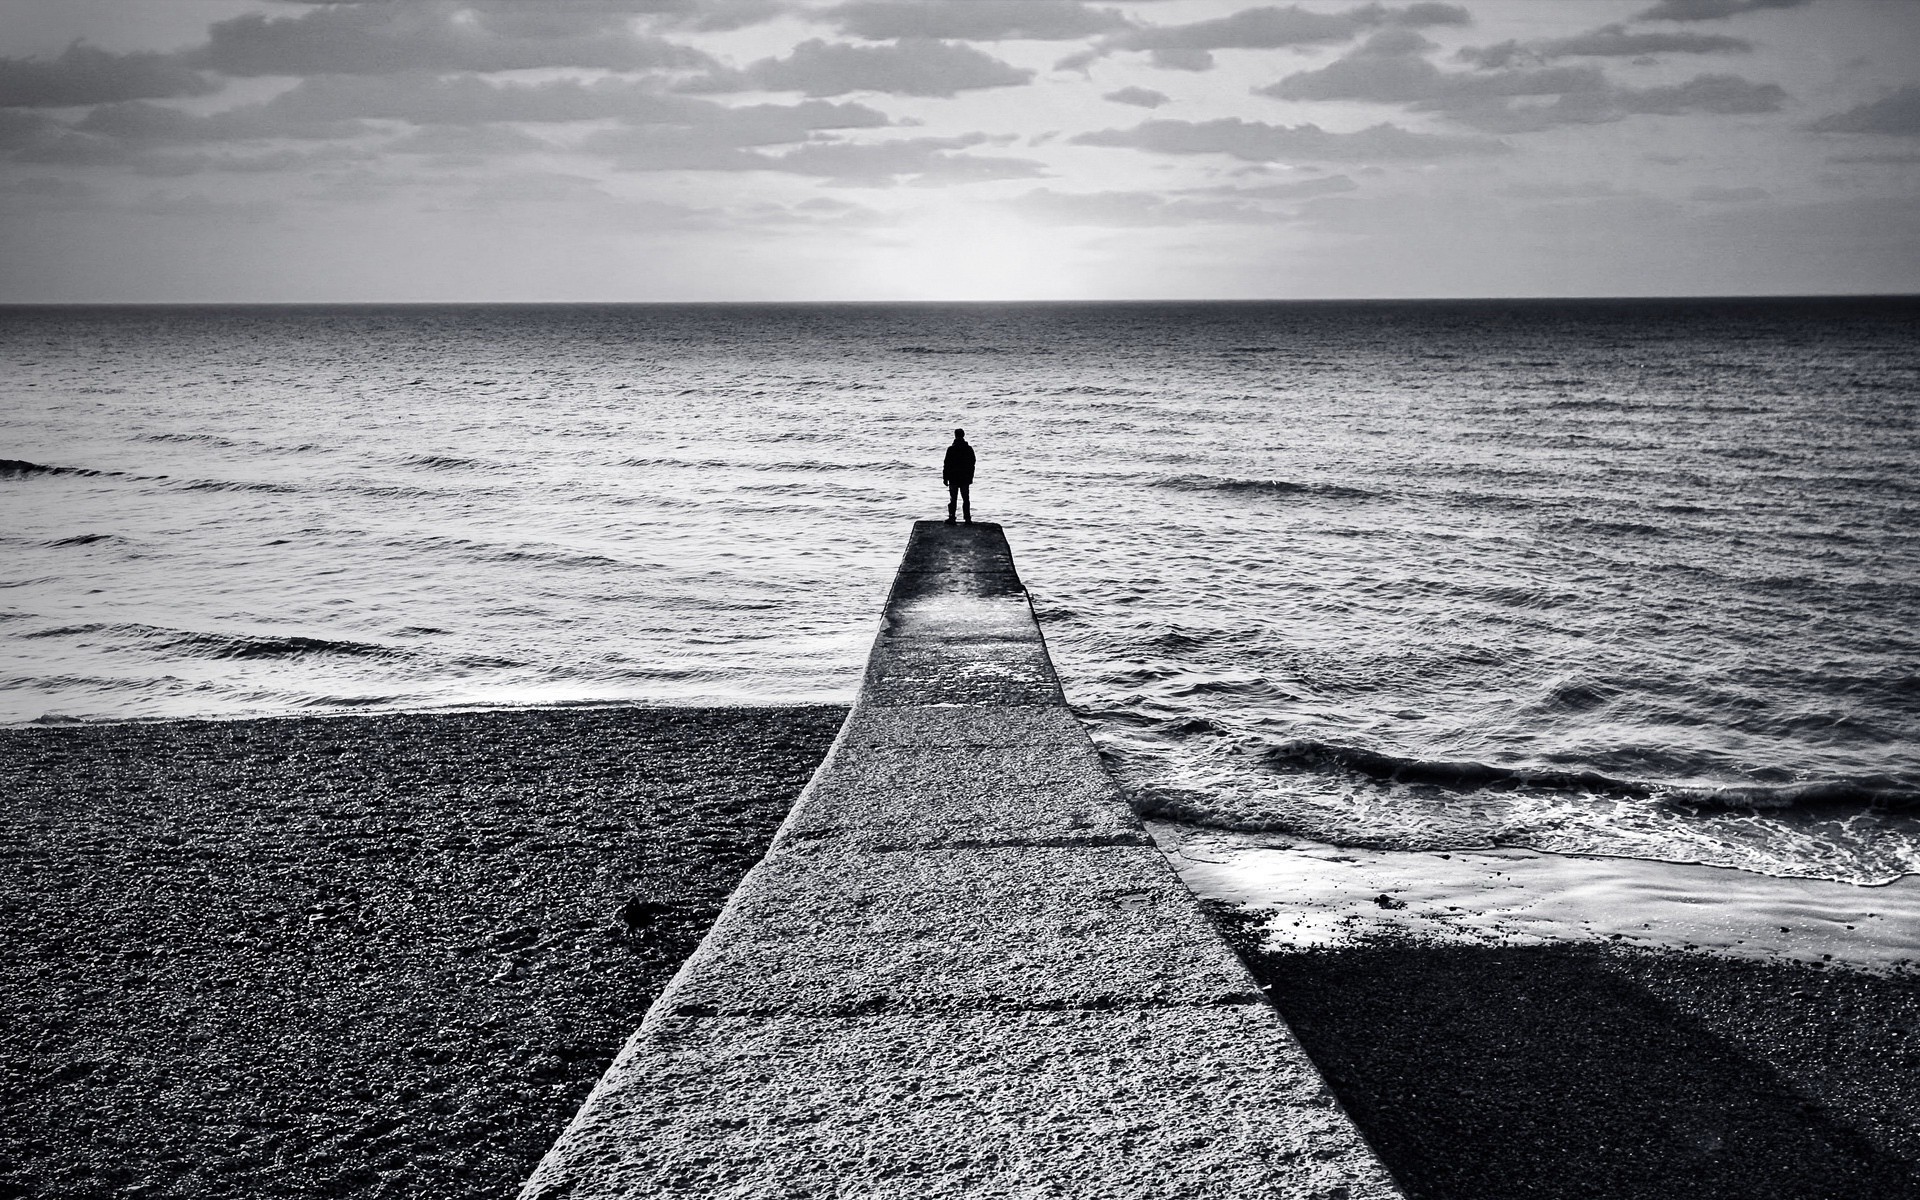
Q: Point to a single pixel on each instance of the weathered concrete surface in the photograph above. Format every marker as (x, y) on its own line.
(961, 970)
(927, 931)
(892, 797)
(1153, 1103)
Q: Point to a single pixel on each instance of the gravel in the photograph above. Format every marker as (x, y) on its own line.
(389, 956)
(370, 956)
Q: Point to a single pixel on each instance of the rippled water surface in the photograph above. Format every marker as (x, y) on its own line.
(1617, 577)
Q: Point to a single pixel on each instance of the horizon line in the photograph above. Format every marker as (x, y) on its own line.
(976, 302)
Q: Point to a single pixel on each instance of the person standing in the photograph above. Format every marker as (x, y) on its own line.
(957, 473)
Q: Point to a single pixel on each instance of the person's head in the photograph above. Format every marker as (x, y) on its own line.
(959, 435)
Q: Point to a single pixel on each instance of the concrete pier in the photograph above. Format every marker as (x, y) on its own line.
(961, 970)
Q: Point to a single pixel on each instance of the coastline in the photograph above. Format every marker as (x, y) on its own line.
(371, 955)
(387, 955)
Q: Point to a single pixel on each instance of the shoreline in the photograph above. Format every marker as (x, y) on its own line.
(390, 953)
(57, 721)
(1323, 895)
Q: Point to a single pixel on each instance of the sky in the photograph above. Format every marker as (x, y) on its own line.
(683, 150)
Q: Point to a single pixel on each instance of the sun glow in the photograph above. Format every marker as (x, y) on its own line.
(965, 253)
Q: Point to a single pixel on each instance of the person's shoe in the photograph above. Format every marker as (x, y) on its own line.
(949, 520)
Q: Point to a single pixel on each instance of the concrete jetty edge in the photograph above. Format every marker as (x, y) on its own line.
(962, 969)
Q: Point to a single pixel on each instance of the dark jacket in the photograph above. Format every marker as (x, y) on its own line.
(957, 471)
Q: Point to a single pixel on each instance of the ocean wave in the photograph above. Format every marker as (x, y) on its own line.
(812, 467)
(60, 631)
(1090, 389)
(82, 539)
(204, 439)
(395, 492)
(257, 646)
(1630, 528)
(1305, 754)
(962, 350)
(21, 468)
(1261, 487)
(1873, 791)
(1588, 403)
(440, 462)
(676, 462)
(234, 485)
(567, 558)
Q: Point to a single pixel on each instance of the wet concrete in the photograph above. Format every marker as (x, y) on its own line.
(962, 969)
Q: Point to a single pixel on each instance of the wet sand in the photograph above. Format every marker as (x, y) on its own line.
(367, 956)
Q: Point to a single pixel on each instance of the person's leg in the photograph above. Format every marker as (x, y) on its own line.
(953, 498)
(966, 501)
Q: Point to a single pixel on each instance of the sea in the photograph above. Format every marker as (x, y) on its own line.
(1625, 580)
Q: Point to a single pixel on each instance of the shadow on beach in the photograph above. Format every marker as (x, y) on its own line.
(1487, 1073)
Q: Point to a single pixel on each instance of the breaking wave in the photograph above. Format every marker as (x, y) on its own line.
(243, 646)
(1305, 754)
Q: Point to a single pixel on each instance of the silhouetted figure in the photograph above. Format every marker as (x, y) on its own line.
(957, 473)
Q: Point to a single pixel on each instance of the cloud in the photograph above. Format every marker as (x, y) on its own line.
(470, 99)
(817, 212)
(337, 107)
(129, 133)
(267, 162)
(1390, 68)
(48, 194)
(711, 16)
(1256, 141)
(712, 137)
(922, 160)
(1725, 95)
(705, 15)
(1559, 189)
(196, 206)
(972, 20)
(1132, 210)
(1608, 41)
(915, 160)
(1326, 185)
(1897, 114)
(779, 124)
(582, 199)
(19, 128)
(436, 35)
(155, 124)
(45, 194)
(1711, 10)
(467, 143)
(463, 117)
(912, 67)
(1189, 47)
(1139, 97)
(84, 74)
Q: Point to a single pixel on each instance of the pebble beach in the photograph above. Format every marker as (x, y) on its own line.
(390, 955)
(353, 956)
